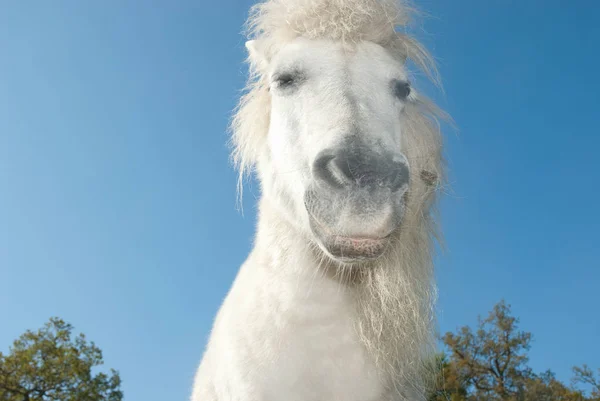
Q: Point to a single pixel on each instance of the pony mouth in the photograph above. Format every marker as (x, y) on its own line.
(348, 249)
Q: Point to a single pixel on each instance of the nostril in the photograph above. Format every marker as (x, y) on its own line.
(343, 165)
(325, 170)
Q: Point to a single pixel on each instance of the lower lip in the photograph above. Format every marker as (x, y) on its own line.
(357, 248)
(359, 241)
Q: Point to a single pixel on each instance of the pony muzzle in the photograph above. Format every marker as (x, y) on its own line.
(355, 226)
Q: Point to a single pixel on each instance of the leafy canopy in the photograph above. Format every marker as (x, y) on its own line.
(53, 365)
(490, 363)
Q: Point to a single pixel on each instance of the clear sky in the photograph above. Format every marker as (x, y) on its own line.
(117, 199)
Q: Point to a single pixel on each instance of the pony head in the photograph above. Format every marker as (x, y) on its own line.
(340, 138)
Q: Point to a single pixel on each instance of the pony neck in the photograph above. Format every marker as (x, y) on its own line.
(281, 244)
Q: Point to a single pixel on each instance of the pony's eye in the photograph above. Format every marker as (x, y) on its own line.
(287, 81)
(401, 89)
(284, 80)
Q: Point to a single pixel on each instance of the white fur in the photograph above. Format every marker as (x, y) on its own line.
(296, 324)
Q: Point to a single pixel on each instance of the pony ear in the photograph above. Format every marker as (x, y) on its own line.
(256, 54)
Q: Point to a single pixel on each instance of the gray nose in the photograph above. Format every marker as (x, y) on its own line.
(355, 168)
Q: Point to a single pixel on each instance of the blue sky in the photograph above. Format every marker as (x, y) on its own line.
(117, 199)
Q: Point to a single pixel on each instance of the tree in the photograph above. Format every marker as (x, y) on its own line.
(545, 387)
(450, 386)
(490, 364)
(493, 358)
(50, 365)
(584, 375)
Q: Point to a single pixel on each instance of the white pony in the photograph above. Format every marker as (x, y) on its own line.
(335, 301)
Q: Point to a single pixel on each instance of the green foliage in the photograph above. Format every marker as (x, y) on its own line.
(51, 365)
(584, 375)
(450, 386)
(545, 387)
(490, 363)
(492, 359)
